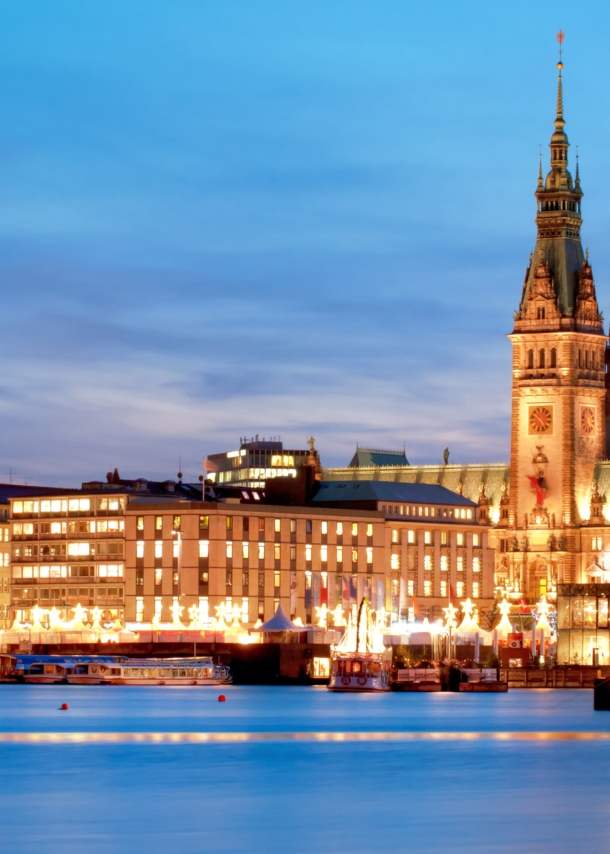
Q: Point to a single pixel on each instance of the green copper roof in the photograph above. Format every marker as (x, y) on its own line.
(377, 458)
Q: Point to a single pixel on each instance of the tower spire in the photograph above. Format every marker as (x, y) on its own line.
(559, 122)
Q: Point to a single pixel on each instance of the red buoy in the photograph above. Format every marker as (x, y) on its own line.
(64, 707)
(222, 698)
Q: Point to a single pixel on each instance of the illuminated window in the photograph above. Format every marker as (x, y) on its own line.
(176, 548)
(204, 548)
(411, 537)
(324, 526)
(475, 589)
(308, 552)
(204, 523)
(354, 529)
(276, 580)
(427, 587)
(158, 577)
(394, 561)
(420, 511)
(158, 549)
(339, 554)
(460, 588)
(293, 526)
(410, 587)
(369, 530)
(277, 525)
(277, 551)
(244, 610)
(469, 514)
(324, 553)
(428, 563)
(158, 523)
(476, 540)
(394, 535)
(476, 564)
(229, 523)
(229, 549)
(158, 608)
(261, 551)
(596, 544)
(427, 538)
(293, 552)
(444, 563)
(460, 564)
(460, 539)
(140, 549)
(140, 523)
(369, 555)
(354, 555)
(139, 609)
(443, 538)
(339, 528)
(443, 587)
(245, 550)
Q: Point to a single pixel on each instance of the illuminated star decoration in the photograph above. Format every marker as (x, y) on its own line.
(177, 610)
(338, 618)
(450, 612)
(322, 616)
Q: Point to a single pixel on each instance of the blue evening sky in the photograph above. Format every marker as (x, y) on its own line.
(224, 218)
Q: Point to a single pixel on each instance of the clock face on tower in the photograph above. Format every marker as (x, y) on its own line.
(587, 419)
(540, 419)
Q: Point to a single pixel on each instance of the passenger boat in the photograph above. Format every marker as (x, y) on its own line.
(361, 662)
(44, 669)
(188, 671)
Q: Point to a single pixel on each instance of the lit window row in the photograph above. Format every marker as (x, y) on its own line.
(102, 570)
(429, 539)
(425, 510)
(70, 505)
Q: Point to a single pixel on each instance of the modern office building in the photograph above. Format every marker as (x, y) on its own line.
(257, 461)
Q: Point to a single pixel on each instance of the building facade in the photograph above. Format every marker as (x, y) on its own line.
(437, 544)
(253, 557)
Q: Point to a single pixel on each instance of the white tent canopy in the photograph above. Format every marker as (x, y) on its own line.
(280, 622)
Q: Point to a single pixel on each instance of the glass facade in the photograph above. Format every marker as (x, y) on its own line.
(582, 624)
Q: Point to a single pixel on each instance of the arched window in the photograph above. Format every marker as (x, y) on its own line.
(530, 358)
(542, 359)
(553, 358)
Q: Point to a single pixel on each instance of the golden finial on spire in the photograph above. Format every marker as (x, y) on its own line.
(560, 38)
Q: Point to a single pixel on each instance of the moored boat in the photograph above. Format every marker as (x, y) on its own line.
(361, 662)
(418, 679)
(189, 671)
(360, 672)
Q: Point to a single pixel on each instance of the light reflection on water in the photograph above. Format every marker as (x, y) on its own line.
(292, 795)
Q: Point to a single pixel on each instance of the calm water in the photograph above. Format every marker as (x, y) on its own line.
(475, 796)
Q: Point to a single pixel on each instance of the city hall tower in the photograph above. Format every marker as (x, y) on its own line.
(558, 391)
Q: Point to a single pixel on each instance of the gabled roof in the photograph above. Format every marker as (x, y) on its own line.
(379, 490)
(378, 457)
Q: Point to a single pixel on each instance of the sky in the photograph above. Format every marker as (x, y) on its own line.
(221, 219)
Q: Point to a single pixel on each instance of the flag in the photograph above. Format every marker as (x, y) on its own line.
(453, 600)
(415, 606)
